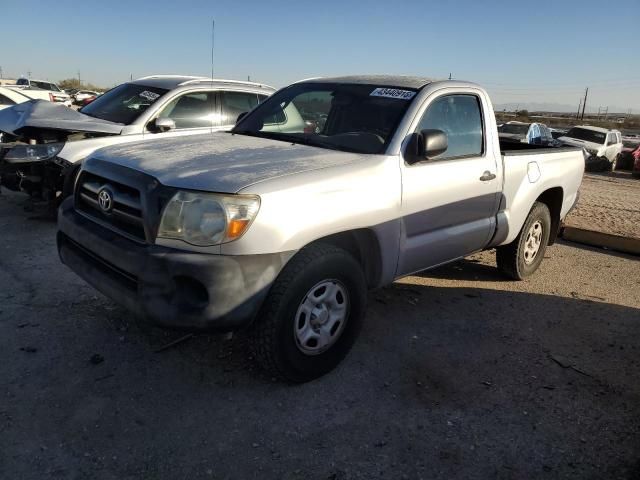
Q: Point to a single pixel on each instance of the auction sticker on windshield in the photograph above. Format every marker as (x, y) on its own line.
(393, 93)
(151, 96)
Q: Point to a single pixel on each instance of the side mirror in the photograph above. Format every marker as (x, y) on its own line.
(241, 116)
(164, 124)
(425, 144)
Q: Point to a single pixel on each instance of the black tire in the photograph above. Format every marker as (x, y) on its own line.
(511, 258)
(273, 337)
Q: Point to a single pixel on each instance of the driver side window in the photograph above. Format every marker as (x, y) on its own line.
(460, 117)
(192, 110)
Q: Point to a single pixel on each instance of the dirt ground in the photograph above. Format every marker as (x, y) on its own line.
(458, 373)
(609, 203)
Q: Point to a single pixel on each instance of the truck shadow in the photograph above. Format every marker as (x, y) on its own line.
(465, 269)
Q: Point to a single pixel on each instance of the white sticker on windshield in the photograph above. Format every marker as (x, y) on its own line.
(393, 93)
(151, 96)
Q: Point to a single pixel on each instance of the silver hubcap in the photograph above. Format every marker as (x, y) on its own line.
(321, 317)
(533, 242)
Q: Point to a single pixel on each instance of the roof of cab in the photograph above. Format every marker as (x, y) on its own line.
(172, 81)
(398, 81)
(596, 129)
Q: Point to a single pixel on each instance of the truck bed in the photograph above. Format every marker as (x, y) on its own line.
(519, 148)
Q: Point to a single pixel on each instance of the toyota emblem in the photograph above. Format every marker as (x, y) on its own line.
(105, 200)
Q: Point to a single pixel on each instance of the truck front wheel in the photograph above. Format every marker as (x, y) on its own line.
(522, 257)
(312, 315)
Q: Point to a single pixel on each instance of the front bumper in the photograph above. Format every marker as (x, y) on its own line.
(167, 287)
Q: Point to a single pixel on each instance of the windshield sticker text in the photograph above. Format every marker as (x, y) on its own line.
(151, 96)
(393, 93)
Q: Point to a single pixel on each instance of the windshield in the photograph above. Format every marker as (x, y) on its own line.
(22, 81)
(348, 117)
(124, 103)
(514, 128)
(586, 135)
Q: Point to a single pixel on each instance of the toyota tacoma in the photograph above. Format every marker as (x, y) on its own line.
(281, 225)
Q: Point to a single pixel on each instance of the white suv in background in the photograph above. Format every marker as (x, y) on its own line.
(602, 146)
(55, 93)
(51, 141)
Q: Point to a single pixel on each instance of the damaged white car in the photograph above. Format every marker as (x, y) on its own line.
(45, 143)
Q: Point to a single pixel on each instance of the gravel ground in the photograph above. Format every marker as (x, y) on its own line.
(609, 203)
(457, 374)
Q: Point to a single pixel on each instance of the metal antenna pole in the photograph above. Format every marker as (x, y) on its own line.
(213, 28)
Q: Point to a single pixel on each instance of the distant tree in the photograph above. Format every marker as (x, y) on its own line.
(74, 83)
(522, 113)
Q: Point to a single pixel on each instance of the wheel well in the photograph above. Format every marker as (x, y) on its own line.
(363, 245)
(552, 198)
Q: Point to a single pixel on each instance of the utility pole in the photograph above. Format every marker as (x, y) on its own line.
(579, 106)
(584, 104)
(1, 72)
(449, 76)
(29, 74)
(79, 81)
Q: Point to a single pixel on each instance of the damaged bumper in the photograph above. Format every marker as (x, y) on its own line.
(167, 287)
(44, 177)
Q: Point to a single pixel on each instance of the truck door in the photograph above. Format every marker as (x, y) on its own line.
(449, 202)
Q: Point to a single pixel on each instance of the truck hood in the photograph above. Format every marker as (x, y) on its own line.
(220, 162)
(574, 142)
(37, 114)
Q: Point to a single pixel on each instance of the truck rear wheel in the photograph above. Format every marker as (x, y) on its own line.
(522, 257)
(312, 315)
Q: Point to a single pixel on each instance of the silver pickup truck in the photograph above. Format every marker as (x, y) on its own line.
(329, 188)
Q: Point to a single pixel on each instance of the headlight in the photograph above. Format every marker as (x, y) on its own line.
(589, 153)
(33, 153)
(206, 219)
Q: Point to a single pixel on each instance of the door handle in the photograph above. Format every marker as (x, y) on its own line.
(487, 175)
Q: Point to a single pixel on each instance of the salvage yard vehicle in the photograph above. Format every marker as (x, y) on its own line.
(282, 230)
(602, 146)
(533, 133)
(635, 170)
(43, 89)
(50, 142)
(10, 97)
(81, 95)
(625, 157)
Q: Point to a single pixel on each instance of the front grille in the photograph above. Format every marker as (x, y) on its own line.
(125, 215)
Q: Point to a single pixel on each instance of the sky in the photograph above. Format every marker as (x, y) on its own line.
(523, 54)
